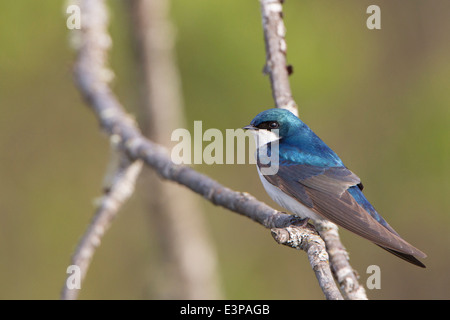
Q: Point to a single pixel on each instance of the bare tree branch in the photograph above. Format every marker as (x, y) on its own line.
(278, 70)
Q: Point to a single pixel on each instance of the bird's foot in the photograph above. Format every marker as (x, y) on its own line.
(299, 222)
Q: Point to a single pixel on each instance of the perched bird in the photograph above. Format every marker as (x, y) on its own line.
(312, 182)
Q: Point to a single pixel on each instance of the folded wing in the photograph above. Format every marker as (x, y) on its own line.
(326, 191)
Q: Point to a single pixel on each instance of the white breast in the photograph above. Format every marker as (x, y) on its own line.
(263, 137)
(287, 202)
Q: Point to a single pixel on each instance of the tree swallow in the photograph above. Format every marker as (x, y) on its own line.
(312, 182)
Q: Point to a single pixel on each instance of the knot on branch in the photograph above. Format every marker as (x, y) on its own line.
(302, 237)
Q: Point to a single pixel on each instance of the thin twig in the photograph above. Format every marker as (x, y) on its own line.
(119, 186)
(276, 66)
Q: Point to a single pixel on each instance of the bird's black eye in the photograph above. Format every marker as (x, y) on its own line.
(273, 125)
(268, 125)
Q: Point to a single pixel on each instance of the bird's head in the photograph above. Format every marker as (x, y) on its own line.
(275, 124)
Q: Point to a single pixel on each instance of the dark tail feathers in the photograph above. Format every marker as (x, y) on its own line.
(406, 257)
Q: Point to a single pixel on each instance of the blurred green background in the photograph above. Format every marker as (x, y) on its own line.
(379, 98)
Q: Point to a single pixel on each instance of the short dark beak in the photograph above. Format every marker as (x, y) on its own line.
(250, 127)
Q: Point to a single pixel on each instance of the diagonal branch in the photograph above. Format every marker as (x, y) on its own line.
(92, 76)
(278, 70)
